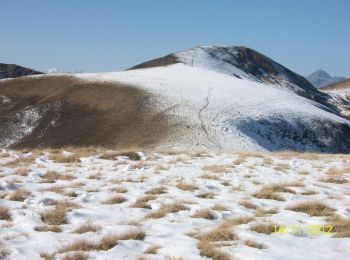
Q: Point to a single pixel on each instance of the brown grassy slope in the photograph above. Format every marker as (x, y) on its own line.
(85, 113)
(345, 84)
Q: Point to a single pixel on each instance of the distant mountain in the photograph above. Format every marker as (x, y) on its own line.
(14, 71)
(321, 78)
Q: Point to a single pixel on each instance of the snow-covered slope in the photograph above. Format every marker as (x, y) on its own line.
(215, 97)
(214, 110)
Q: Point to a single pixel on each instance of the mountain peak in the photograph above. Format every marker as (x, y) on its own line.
(321, 78)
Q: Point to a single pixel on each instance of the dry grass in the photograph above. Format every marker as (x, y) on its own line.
(313, 208)
(109, 155)
(75, 256)
(87, 227)
(4, 251)
(270, 191)
(119, 190)
(5, 213)
(246, 203)
(48, 228)
(132, 235)
(19, 195)
(340, 226)
(142, 202)
(308, 192)
(50, 176)
(57, 216)
(209, 176)
(82, 245)
(186, 186)
(167, 208)
(218, 234)
(230, 222)
(156, 190)
(252, 243)
(152, 250)
(22, 171)
(335, 180)
(208, 250)
(115, 200)
(131, 155)
(264, 228)
(263, 212)
(217, 168)
(219, 207)
(206, 195)
(204, 213)
(61, 158)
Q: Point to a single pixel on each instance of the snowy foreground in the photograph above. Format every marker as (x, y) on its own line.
(102, 205)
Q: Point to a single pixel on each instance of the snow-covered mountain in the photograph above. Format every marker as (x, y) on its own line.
(321, 78)
(209, 97)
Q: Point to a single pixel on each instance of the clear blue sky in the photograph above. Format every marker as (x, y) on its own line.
(110, 35)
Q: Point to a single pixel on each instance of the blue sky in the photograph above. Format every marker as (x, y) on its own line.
(111, 35)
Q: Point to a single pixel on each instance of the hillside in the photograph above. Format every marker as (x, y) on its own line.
(215, 98)
(321, 78)
(340, 92)
(14, 71)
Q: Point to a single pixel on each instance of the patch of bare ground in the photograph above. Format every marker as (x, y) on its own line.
(19, 195)
(204, 213)
(252, 243)
(87, 227)
(313, 208)
(264, 228)
(166, 209)
(115, 200)
(5, 213)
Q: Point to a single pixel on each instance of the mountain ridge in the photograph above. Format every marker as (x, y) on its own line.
(14, 71)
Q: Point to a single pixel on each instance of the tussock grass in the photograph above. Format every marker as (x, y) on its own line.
(186, 186)
(204, 213)
(48, 228)
(340, 226)
(218, 234)
(219, 207)
(217, 168)
(208, 250)
(152, 250)
(206, 195)
(313, 208)
(263, 212)
(167, 208)
(142, 202)
(5, 213)
(22, 171)
(252, 243)
(75, 256)
(87, 227)
(156, 190)
(248, 204)
(230, 222)
(131, 155)
(209, 176)
(19, 195)
(61, 158)
(119, 190)
(115, 200)
(308, 192)
(270, 191)
(335, 180)
(264, 228)
(57, 216)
